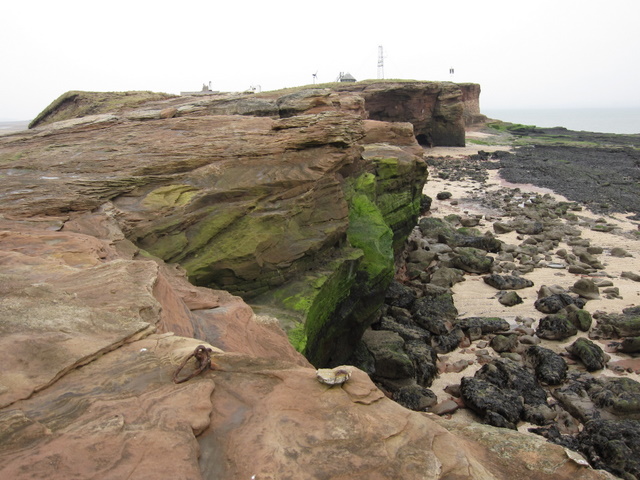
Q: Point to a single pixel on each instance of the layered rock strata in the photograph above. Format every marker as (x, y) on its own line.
(301, 214)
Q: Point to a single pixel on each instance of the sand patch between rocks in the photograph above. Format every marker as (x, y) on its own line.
(474, 297)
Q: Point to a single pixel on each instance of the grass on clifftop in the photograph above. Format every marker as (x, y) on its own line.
(519, 135)
(337, 85)
(75, 103)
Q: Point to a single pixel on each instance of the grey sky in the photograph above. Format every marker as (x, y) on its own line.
(561, 53)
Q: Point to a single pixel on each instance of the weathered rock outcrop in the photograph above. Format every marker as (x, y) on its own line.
(75, 104)
(436, 109)
(296, 213)
(471, 101)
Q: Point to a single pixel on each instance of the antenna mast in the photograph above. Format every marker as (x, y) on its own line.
(380, 63)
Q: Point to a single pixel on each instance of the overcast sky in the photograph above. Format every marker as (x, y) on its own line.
(560, 53)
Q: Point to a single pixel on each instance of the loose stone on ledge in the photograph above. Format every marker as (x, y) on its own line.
(333, 376)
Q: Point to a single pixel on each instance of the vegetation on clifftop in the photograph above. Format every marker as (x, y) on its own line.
(74, 104)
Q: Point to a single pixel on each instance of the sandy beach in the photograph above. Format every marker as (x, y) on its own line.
(474, 297)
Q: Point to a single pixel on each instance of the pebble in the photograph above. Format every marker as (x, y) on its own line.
(445, 407)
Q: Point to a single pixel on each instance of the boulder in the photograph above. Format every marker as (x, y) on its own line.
(407, 332)
(472, 260)
(504, 343)
(588, 398)
(550, 368)
(507, 282)
(501, 228)
(612, 445)
(586, 288)
(447, 277)
(509, 299)
(415, 397)
(590, 354)
(487, 243)
(631, 276)
(399, 295)
(432, 311)
(497, 407)
(556, 327)
(390, 359)
(615, 325)
(485, 324)
(424, 360)
(556, 302)
(630, 345)
(447, 342)
(509, 375)
(580, 317)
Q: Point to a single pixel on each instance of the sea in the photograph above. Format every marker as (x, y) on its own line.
(605, 120)
(8, 126)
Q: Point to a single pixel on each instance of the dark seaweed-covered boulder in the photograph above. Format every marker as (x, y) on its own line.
(448, 342)
(486, 324)
(529, 228)
(619, 396)
(590, 354)
(507, 282)
(399, 295)
(587, 397)
(447, 277)
(630, 345)
(481, 242)
(580, 317)
(432, 311)
(510, 298)
(556, 302)
(550, 367)
(434, 228)
(407, 332)
(424, 361)
(613, 325)
(504, 343)
(390, 359)
(472, 260)
(415, 397)
(514, 380)
(509, 375)
(612, 445)
(556, 327)
(497, 407)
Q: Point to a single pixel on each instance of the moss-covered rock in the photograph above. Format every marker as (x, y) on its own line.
(590, 354)
(472, 260)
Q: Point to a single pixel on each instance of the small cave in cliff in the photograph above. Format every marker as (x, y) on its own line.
(425, 140)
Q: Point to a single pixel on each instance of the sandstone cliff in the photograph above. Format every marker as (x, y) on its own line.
(438, 111)
(299, 214)
(259, 193)
(471, 103)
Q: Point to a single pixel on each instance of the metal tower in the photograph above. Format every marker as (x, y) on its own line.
(380, 63)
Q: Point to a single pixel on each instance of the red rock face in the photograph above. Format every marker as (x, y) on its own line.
(471, 101)
(435, 109)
